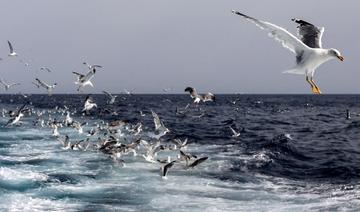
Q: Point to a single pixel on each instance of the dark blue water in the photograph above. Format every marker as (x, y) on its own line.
(294, 152)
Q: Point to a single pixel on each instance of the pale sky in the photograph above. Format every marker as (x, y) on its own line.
(147, 45)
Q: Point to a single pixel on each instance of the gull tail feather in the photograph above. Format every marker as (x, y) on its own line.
(294, 71)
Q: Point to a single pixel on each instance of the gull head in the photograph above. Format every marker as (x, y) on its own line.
(336, 53)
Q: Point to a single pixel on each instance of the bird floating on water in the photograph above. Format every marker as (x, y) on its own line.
(308, 49)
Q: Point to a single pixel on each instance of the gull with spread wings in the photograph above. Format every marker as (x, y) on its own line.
(45, 85)
(84, 79)
(308, 49)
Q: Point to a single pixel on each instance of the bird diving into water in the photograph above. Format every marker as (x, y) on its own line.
(308, 49)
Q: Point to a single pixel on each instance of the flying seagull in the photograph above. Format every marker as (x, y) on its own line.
(308, 49)
(89, 104)
(159, 125)
(12, 53)
(7, 86)
(48, 87)
(197, 97)
(45, 69)
(84, 79)
(111, 97)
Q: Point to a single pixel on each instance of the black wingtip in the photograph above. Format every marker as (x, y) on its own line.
(301, 22)
(189, 89)
(237, 12)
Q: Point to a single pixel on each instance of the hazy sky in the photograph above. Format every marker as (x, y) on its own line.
(147, 45)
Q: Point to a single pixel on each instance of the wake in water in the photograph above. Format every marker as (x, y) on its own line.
(157, 152)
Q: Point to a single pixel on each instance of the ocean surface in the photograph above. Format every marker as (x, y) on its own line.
(294, 153)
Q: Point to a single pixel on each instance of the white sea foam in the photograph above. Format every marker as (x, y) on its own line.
(19, 176)
(26, 203)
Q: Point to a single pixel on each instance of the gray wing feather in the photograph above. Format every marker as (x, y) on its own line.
(10, 46)
(309, 34)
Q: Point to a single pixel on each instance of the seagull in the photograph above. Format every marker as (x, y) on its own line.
(78, 126)
(48, 87)
(45, 69)
(65, 141)
(234, 133)
(91, 67)
(16, 116)
(197, 97)
(6, 85)
(234, 101)
(128, 92)
(308, 49)
(142, 114)
(55, 133)
(166, 90)
(159, 125)
(89, 104)
(12, 53)
(68, 119)
(186, 156)
(112, 97)
(84, 80)
(179, 144)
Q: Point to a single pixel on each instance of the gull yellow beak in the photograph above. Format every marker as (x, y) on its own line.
(341, 58)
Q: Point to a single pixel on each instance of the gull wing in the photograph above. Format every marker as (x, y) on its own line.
(157, 120)
(42, 83)
(13, 84)
(107, 94)
(11, 47)
(192, 92)
(92, 66)
(165, 169)
(280, 34)
(80, 76)
(309, 34)
(22, 108)
(2, 82)
(46, 69)
(197, 162)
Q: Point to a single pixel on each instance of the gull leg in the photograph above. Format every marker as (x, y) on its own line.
(316, 87)
(313, 86)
